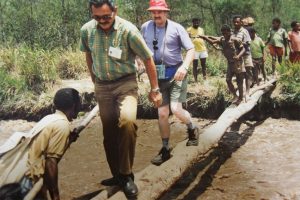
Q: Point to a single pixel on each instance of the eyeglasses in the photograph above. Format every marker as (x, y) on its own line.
(155, 42)
(104, 17)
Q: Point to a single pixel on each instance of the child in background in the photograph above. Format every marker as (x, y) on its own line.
(233, 49)
(200, 48)
(277, 40)
(257, 47)
(294, 42)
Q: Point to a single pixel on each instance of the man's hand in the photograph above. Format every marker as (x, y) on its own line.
(180, 74)
(155, 98)
(75, 134)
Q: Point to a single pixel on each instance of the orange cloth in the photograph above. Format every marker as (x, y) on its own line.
(276, 51)
(295, 57)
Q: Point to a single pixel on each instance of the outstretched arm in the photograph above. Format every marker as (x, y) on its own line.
(214, 41)
(210, 39)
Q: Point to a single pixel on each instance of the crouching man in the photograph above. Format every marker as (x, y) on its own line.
(36, 158)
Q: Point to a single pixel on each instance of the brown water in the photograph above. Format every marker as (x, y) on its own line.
(254, 160)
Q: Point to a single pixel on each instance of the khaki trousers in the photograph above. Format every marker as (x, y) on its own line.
(118, 109)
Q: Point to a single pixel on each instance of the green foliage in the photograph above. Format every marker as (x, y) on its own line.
(42, 23)
(38, 67)
(56, 23)
(216, 64)
(24, 70)
(10, 86)
(290, 82)
(72, 65)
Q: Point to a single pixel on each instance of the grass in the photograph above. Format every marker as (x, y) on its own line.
(31, 72)
(72, 65)
(26, 76)
(216, 64)
(290, 82)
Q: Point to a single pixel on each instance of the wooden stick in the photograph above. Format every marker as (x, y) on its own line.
(155, 180)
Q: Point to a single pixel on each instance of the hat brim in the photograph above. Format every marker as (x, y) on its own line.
(152, 8)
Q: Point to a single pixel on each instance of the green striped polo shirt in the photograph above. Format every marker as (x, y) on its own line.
(124, 36)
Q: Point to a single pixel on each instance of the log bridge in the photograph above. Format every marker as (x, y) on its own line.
(153, 181)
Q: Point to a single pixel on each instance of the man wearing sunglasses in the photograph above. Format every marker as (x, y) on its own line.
(111, 45)
(166, 39)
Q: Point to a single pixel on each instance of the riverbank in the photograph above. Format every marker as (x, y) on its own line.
(206, 99)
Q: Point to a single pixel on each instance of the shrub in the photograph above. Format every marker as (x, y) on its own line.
(290, 82)
(216, 64)
(72, 65)
(10, 87)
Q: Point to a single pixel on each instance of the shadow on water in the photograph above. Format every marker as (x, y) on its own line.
(229, 143)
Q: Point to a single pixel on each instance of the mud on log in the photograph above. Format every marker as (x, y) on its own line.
(153, 181)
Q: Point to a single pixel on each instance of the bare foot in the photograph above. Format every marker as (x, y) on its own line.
(235, 98)
(247, 97)
(238, 101)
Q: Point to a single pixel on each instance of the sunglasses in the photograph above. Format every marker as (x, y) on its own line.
(155, 42)
(104, 17)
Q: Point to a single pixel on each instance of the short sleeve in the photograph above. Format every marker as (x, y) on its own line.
(185, 39)
(84, 41)
(138, 45)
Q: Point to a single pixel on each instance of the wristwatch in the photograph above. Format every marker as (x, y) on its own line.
(186, 68)
(155, 90)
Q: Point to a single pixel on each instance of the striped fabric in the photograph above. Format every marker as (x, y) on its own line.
(124, 36)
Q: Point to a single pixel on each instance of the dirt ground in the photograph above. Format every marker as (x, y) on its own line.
(84, 164)
(255, 160)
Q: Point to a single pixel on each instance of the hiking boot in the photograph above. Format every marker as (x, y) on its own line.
(193, 137)
(114, 180)
(128, 186)
(161, 157)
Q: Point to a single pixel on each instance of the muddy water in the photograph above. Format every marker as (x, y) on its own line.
(254, 160)
(84, 164)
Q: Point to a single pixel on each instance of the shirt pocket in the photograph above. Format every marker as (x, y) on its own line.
(124, 54)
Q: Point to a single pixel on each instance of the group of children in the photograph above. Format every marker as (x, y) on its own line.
(244, 51)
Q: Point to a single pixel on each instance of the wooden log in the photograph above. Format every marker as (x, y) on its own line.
(153, 181)
(38, 185)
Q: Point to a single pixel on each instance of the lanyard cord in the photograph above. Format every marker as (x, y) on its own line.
(164, 40)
